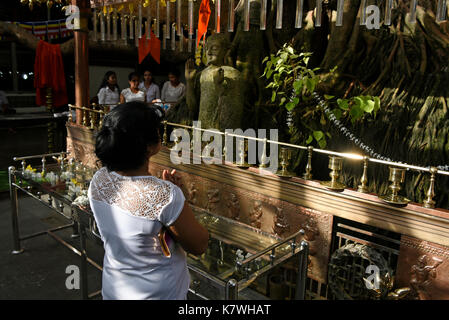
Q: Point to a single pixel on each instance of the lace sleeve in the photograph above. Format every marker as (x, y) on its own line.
(147, 197)
(173, 209)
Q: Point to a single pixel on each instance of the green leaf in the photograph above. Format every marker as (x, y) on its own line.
(290, 106)
(309, 140)
(306, 61)
(328, 97)
(265, 60)
(297, 85)
(323, 120)
(358, 101)
(273, 96)
(283, 99)
(296, 100)
(310, 84)
(322, 143)
(369, 106)
(343, 104)
(318, 135)
(337, 113)
(376, 104)
(356, 112)
(290, 50)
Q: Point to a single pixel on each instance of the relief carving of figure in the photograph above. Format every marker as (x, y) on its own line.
(422, 275)
(311, 233)
(233, 205)
(191, 193)
(216, 93)
(280, 222)
(256, 214)
(212, 199)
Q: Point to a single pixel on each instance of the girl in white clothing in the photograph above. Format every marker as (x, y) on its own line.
(133, 208)
(173, 90)
(133, 93)
(109, 92)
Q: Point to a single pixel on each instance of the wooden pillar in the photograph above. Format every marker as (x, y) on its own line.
(81, 37)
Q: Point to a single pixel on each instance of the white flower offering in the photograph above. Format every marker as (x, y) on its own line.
(67, 176)
(52, 178)
(74, 190)
(36, 176)
(81, 201)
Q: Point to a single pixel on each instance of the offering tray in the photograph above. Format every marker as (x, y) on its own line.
(237, 254)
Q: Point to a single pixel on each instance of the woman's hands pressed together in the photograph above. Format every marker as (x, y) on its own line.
(172, 177)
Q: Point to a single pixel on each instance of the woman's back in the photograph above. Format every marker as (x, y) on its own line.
(130, 212)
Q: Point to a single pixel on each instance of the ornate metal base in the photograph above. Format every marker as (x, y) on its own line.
(391, 199)
(362, 189)
(243, 165)
(333, 185)
(284, 174)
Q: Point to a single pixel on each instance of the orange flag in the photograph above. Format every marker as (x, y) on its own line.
(144, 48)
(203, 20)
(150, 46)
(155, 48)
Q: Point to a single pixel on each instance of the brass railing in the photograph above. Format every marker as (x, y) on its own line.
(90, 117)
(93, 118)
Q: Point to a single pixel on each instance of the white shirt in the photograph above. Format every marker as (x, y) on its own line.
(152, 92)
(172, 94)
(3, 98)
(107, 96)
(130, 212)
(131, 96)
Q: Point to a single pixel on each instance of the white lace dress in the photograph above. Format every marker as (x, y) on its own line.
(130, 211)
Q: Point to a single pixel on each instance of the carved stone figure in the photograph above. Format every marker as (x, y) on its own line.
(191, 193)
(217, 91)
(422, 275)
(233, 205)
(256, 214)
(311, 232)
(280, 222)
(212, 199)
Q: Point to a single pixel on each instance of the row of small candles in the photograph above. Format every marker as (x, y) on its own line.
(109, 14)
(396, 170)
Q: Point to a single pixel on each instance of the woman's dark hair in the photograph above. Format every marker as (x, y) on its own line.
(174, 72)
(133, 74)
(104, 82)
(121, 144)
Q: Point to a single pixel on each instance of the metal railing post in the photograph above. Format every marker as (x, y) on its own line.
(14, 211)
(302, 271)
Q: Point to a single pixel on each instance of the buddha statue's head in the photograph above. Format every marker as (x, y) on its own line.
(217, 46)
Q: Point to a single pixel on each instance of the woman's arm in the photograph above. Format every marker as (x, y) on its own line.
(122, 98)
(192, 236)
